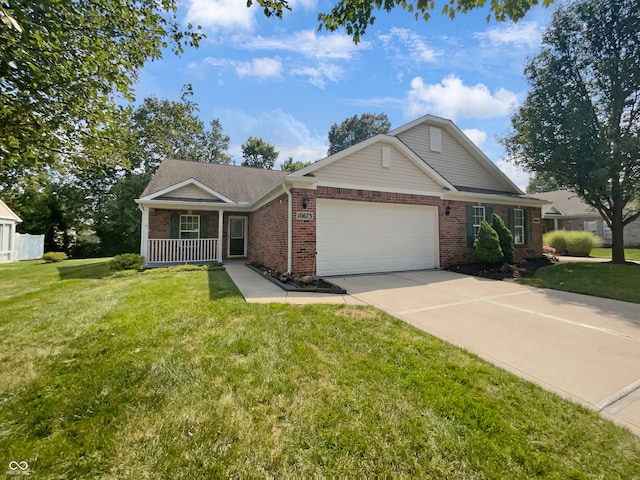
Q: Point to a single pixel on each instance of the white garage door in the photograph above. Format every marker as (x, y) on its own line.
(365, 237)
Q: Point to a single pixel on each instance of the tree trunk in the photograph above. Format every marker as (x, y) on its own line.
(617, 236)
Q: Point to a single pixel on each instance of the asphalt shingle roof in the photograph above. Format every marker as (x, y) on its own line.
(240, 184)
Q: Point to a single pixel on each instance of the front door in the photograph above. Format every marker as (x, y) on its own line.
(237, 236)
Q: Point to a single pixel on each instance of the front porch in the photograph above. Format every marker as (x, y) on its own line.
(173, 251)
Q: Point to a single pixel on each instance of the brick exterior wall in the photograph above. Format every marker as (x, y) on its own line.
(268, 225)
(268, 228)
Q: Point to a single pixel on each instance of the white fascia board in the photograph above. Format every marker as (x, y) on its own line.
(494, 198)
(189, 181)
(186, 205)
(353, 186)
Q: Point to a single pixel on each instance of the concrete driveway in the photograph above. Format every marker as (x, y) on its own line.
(583, 348)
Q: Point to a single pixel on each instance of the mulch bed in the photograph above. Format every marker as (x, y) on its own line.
(317, 285)
(523, 269)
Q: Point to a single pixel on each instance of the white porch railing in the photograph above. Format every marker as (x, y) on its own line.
(182, 251)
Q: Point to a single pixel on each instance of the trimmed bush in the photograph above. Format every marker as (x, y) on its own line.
(126, 261)
(54, 257)
(573, 243)
(505, 236)
(487, 246)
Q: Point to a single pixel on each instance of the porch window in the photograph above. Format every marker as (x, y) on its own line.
(189, 226)
(518, 226)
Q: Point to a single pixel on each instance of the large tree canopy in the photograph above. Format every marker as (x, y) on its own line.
(356, 15)
(63, 63)
(580, 124)
(356, 129)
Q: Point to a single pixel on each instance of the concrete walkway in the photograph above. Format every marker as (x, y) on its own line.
(584, 348)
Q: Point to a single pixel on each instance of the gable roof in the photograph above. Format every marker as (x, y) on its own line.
(224, 183)
(565, 203)
(443, 171)
(7, 214)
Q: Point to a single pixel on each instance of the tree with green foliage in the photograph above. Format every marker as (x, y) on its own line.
(580, 122)
(354, 130)
(65, 65)
(259, 154)
(290, 166)
(505, 236)
(542, 182)
(487, 250)
(162, 128)
(356, 15)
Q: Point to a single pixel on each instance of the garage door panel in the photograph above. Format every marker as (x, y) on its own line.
(365, 237)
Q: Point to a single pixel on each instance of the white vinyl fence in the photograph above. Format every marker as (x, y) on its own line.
(28, 247)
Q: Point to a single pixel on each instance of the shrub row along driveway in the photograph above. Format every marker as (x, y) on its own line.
(584, 348)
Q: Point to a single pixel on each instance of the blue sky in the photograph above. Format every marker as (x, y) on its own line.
(287, 83)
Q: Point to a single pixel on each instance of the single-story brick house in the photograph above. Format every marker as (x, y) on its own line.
(409, 199)
(567, 211)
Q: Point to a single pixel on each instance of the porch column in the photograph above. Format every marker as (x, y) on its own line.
(555, 224)
(144, 237)
(220, 227)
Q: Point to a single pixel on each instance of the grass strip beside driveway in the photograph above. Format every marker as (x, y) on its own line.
(630, 254)
(172, 375)
(619, 282)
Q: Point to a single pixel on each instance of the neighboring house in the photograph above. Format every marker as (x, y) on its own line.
(566, 211)
(8, 221)
(409, 199)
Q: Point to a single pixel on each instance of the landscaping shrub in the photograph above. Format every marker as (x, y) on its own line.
(53, 257)
(505, 236)
(487, 246)
(557, 240)
(573, 243)
(126, 261)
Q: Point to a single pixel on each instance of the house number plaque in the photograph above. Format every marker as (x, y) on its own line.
(304, 215)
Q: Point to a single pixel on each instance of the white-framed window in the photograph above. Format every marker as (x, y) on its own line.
(478, 217)
(189, 226)
(518, 226)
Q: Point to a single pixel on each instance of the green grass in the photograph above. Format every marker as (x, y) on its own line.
(172, 375)
(620, 282)
(630, 254)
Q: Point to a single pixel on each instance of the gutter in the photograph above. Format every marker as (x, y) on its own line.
(289, 226)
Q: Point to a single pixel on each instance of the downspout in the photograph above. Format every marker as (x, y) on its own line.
(289, 226)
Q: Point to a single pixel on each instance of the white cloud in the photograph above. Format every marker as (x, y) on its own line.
(291, 137)
(516, 175)
(452, 99)
(417, 49)
(260, 67)
(257, 67)
(334, 46)
(221, 14)
(319, 74)
(522, 34)
(476, 136)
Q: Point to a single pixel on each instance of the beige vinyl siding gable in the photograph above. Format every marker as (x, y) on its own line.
(192, 192)
(455, 163)
(364, 168)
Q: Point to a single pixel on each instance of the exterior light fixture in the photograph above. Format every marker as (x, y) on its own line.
(447, 211)
(305, 202)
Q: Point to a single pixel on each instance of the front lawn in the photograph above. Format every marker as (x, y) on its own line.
(620, 282)
(170, 374)
(630, 254)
